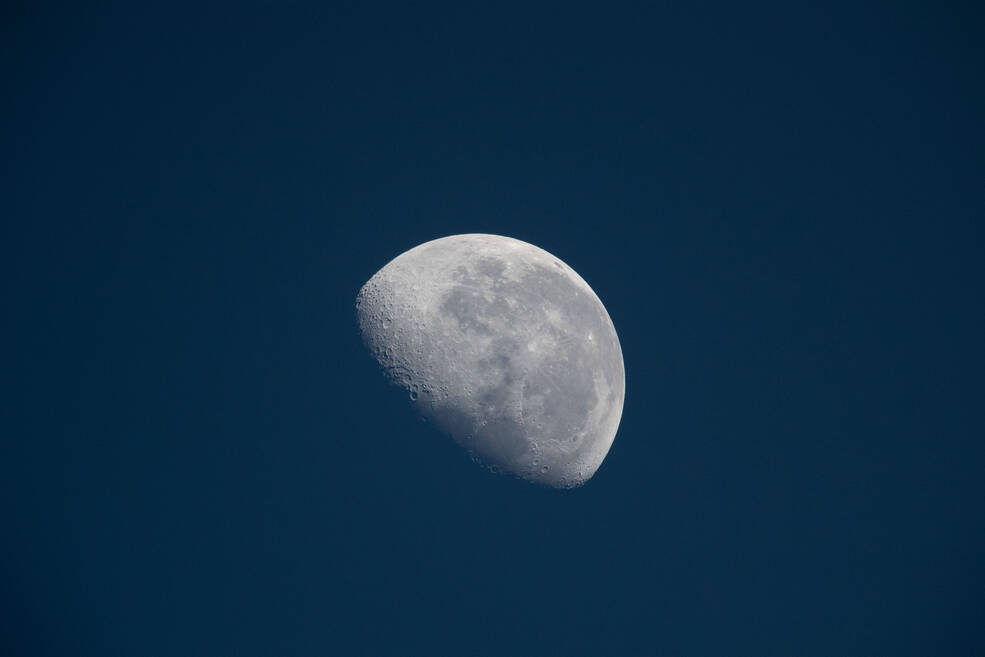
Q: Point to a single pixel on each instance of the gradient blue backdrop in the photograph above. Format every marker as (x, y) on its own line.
(779, 203)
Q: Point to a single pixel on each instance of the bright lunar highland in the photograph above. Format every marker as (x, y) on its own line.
(503, 347)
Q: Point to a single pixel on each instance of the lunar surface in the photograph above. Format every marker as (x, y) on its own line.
(503, 347)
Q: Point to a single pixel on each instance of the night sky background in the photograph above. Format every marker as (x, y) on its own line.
(780, 205)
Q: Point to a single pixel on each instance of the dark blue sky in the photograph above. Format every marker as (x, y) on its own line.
(780, 205)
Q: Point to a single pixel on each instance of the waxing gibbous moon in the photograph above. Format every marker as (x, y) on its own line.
(504, 348)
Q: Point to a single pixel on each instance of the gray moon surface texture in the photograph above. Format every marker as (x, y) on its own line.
(504, 348)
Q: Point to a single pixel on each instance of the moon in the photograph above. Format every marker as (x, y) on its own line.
(504, 348)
